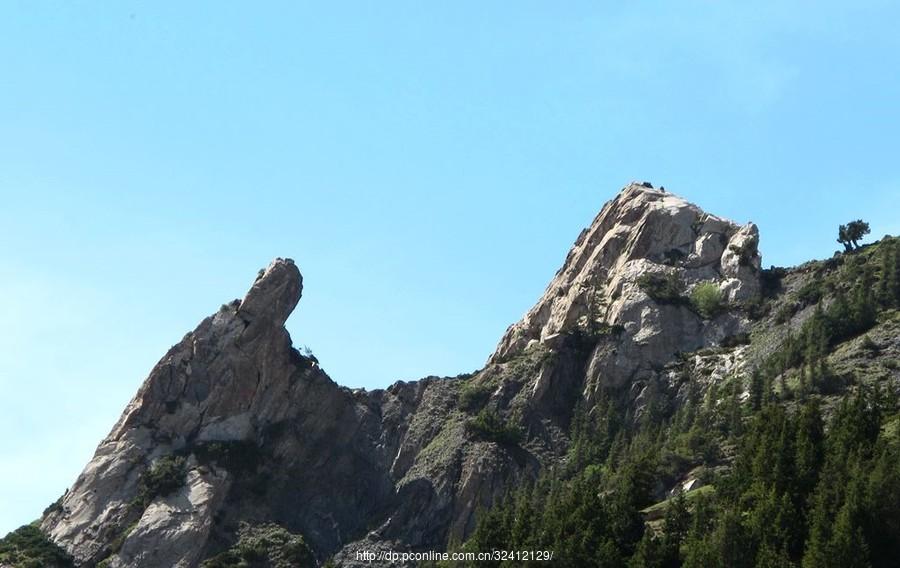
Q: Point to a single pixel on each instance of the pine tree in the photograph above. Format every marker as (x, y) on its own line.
(757, 392)
(855, 427)
(885, 257)
(735, 412)
(730, 543)
(882, 512)
(768, 557)
(863, 308)
(698, 550)
(522, 526)
(893, 274)
(809, 448)
(816, 337)
(847, 547)
(490, 532)
(676, 525)
(649, 553)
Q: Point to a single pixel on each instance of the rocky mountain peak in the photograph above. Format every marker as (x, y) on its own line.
(643, 231)
(224, 383)
(274, 294)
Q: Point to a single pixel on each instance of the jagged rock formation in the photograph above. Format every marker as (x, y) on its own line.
(643, 231)
(264, 435)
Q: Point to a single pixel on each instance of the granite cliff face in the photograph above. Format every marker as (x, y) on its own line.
(257, 433)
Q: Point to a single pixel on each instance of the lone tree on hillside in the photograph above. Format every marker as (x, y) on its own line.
(849, 234)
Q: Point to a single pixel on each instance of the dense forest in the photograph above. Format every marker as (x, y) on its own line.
(802, 470)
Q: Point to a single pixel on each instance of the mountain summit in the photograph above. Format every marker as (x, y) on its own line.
(643, 233)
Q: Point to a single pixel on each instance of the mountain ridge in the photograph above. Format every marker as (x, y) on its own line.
(234, 429)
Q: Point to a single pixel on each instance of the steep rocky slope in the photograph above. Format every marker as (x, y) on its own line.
(236, 426)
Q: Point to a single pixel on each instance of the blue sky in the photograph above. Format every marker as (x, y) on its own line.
(427, 166)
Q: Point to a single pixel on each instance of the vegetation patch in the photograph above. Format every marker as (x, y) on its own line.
(237, 456)
(855, 293)
(707, 300)
(736, 340)
(756, 307)
(673, 257)
(165, 476)
(264, 546)
(445, 441)
(590, 329)
(770, 280)
(786, 312)
(116, 545)
(527, 361)
(811, 292)
(473, 396)
(745, 254)
(54, 507)
(664, 288)
(490, 427)
(705, 491)
(28, 547)
(869, 345)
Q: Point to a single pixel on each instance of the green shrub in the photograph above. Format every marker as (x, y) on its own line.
(870, 345)
(811, 292)
(588, 331)
(770, 280)
(264, 546)
(28, 547)
(237, 456)
(473, 396)
(736, 340)
(707, 299)
(745, 254)
(242, 458)
(673, 257)
(756, 307)
(53, 507)
(116, 545)
(785, 313)
(665, 288)
(490, 427)
(164, 477)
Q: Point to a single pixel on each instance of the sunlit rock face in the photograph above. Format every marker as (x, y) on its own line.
(643, 231)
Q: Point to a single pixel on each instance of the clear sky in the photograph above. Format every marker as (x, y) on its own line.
(427, 164)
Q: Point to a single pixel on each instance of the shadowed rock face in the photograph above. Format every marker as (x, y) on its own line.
(318, 458)
(233, 380)
(399, 467)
